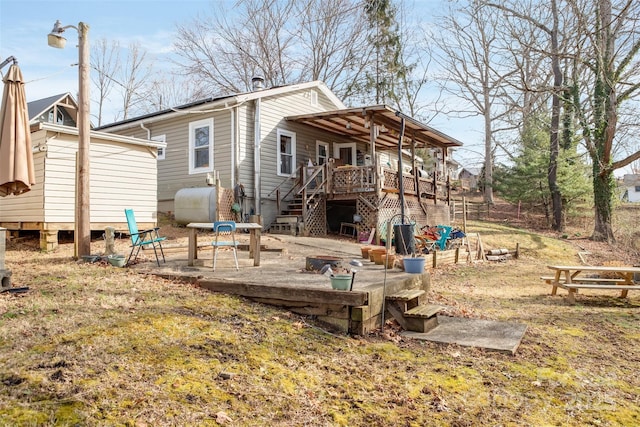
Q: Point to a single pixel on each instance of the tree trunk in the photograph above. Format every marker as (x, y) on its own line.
(488, 158)
(556, 195)
(603, 187)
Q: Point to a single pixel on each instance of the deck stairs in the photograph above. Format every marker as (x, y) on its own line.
(291, 220)
(408, 309)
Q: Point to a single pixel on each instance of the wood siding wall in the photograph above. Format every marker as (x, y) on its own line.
(27, 207)
(121, 176)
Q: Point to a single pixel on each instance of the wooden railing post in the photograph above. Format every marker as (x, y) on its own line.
(304, 205)
(435, 187)
(278, 201)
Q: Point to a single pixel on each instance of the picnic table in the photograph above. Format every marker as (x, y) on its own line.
(574, 277)
(254, 239)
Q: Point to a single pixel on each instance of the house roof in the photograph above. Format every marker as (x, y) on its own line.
(40, 106)
(224, 102)
(355, 124)
(97, 135)
(631, 180)
(472, 171)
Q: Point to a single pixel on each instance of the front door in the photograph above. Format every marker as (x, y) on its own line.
(345, 153)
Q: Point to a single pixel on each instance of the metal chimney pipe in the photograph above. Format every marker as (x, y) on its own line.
(258, 83)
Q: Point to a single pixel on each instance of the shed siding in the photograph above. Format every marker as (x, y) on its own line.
(27, 207)
(121, 175)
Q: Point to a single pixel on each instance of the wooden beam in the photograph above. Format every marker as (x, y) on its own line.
(285, 293)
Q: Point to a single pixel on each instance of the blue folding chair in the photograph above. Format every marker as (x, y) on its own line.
(143, 238)
(226, 229)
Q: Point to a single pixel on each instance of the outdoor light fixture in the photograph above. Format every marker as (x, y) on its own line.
(55, 38)
(82, 232)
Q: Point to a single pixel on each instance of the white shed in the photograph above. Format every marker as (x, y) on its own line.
(631, 183)
(123, 174)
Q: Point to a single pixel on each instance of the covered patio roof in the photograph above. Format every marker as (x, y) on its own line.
(355, 123)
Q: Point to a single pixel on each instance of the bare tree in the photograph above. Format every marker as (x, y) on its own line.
(105, 60)
(553, 31)
(134, 75)
(284, 41)
(170, 91)
(471, 53)
(611, 53)
(332, 37)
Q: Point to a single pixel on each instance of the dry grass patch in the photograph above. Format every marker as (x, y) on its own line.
(91, 344)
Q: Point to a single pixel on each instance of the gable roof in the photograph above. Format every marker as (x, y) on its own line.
(222, 101)
(40, 106)
(355, 124)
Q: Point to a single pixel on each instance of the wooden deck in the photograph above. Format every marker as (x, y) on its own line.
(281, 280)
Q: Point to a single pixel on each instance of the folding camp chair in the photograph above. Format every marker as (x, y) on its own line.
(143, 238)
(226, 229)
(435, 238)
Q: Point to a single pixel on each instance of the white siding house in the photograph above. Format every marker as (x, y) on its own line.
(631, 184)
(122, 171)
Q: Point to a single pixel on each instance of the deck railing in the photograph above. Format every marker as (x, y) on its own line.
(345, 180)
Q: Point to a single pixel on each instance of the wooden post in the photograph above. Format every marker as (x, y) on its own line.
(464, 214)
(83, 209)
(435, 187)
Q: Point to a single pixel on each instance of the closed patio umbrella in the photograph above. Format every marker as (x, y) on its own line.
(16, 158)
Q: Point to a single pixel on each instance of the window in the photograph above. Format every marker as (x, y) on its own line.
(637, 188)
(322, 152)
(201, 146)
(59, 117)
(286, 153)
(314, 98)
(161, 150)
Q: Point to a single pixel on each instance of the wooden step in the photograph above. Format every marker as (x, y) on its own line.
(424, 311)
(406, 295)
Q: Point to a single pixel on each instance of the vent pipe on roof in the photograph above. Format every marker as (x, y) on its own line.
(258, 83)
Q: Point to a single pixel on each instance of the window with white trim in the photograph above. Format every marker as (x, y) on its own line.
(201, 146)
(161, 150)
(286, 153)
(314, 98)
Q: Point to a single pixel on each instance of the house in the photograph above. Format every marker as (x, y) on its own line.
(58, 109)
(631, 187)
(123, 175)
(469, 178)
(295, 155)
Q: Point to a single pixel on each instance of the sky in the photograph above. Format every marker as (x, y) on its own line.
(24, 25)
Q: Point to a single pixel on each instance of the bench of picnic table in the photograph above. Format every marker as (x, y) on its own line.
(569, 278)
(601, 280)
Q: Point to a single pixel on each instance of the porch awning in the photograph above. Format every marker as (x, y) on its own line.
(355, 123)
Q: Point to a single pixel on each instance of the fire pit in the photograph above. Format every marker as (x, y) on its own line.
(316, 262)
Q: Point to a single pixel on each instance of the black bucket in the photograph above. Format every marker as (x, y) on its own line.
(403, 239)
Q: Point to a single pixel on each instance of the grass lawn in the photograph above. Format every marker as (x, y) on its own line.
(91, 344)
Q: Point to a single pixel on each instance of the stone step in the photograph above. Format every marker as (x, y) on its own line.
(287, 219)
(279, 228)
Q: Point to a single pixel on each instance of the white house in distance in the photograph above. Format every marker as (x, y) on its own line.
(631, 185)
(268, 142)
(122, 171)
